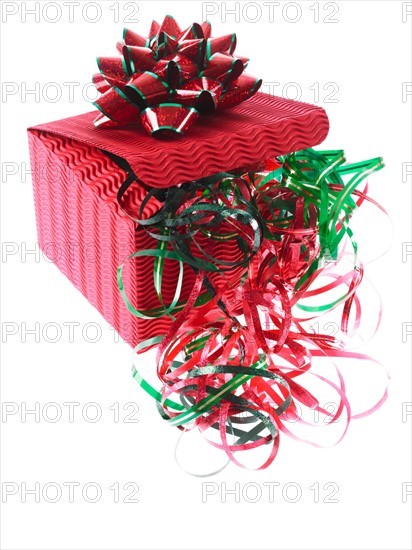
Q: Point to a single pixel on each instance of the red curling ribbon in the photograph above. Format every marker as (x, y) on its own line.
(240, 363)
(187, 68)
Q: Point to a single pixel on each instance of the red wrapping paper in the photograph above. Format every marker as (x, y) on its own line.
(76, 208)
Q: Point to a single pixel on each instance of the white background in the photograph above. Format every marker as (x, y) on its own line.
(367, 54)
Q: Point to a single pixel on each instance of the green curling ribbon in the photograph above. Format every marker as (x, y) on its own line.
(288, 222)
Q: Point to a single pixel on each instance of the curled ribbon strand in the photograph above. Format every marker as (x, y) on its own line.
(237, 355)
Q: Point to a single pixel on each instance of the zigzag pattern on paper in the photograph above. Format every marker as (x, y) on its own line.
(258, 129)
(77, 214)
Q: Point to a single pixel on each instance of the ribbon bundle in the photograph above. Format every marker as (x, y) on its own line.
(169, 78)
(237, 356)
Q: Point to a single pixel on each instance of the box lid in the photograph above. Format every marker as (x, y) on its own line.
(258, 129)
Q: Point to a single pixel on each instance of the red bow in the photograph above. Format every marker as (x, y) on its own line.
(170, 78)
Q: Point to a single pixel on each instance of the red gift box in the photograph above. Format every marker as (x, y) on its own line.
(76, 185)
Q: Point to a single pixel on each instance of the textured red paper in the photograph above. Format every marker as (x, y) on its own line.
(258, 129)
(80, 226)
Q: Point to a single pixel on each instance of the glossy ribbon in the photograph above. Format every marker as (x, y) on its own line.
(168, 79)
(236, 350)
